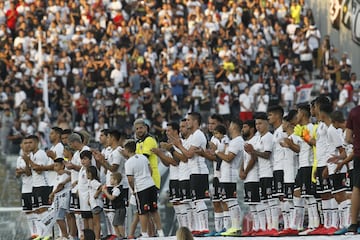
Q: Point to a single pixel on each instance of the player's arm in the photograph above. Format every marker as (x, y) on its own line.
(225, 157)
(251, 164)
(165, 159)
(349, 135)
(131, 181)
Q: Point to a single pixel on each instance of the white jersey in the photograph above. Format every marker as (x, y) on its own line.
(291, 161)
(173, 170)
(58, 149)
(138, 167)
(39, 179)
(83, 190)
(93, 187)
(265, 144)
(184, 170)
(115, 157)
(77, 161)
(197, 163)
(105, 152)
(253, 174)
(64, 199)
(220, 145)
(335, 141)
(26, 181)
(229, 171)
(322, 144)
(278, 152)
(306, 154)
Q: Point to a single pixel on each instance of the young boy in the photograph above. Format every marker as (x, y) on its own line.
(117, 203)
(62, 201)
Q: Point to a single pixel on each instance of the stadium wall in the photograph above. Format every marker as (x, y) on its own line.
(340, 19)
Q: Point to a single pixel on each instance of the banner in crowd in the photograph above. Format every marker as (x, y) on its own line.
(335, 13)
(346, 13)
(355, 21)
(304, 93)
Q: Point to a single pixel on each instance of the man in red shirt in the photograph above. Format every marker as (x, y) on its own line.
(11, 18)
(353, 136)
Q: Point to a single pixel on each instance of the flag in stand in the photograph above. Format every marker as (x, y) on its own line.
(304, 93)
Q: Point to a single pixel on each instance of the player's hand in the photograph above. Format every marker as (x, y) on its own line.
(156, 150)
(242, 175)
(51, 154)
(333, 159)
(249, 148)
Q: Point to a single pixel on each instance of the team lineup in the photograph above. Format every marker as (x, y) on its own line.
(290, 162)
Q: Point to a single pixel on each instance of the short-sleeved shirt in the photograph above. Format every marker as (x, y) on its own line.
(335, 141)
(265, 144)
(306, 154)
(253, 174)
(58, 149)
(93, 187)
(144, 147)
(322, 144)
(291, 161)
(184, 170)
(278, 152)
(115, 157)
(230, 170)
(39, 179)
(26, 186)
(138, 167)
(353, 123)
(197, 163)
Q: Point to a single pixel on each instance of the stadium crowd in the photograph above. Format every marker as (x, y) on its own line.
(101, 64)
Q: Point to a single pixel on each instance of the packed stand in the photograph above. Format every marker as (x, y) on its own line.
(139, 67)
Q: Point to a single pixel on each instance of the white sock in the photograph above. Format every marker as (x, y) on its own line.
(203, 215)
(268, 215)
(285, 214)
(31, 221)
(218, 220)
(320, 211)
(274, 205)
(227, 219)
(177, 210)
(298, 215)
(310, 214)
(255, 218)
(347, 213)
(190, 217)
(326, 207)
(335, 215)
(194, 218)
(183, 215)
(260, 208)
(316, 217)
(235, 211)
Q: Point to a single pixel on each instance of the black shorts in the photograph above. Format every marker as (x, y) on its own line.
(119, 217)
(356, 172)
(349, 180)
(146, 200)
(26, 199)
(74, 202)
(307, 188)
(41, 196)
(228, 191)
(322, 184)
(107, 202)
(289, 191)
(338, 182)
(252, 195)
(86, 214)
(174, 191)
(185, 190)
(124, 195)
(199, 186)
(266, 188)
(278, 187)
(216, 196)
